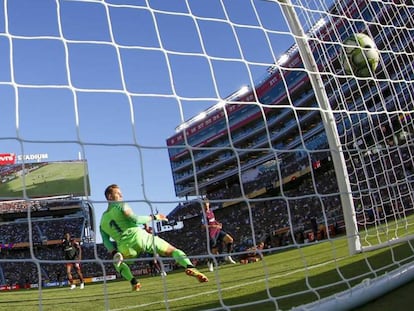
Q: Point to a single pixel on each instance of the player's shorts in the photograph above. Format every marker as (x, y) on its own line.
(136, 241)
(218, 238)
(71, 265)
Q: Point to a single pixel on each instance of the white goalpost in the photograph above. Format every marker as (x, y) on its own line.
(391, 218)
(328, 120)
(299, 132)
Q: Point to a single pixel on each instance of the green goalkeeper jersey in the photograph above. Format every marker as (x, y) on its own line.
(122, 229)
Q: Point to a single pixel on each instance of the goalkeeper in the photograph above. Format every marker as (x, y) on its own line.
(120, 224)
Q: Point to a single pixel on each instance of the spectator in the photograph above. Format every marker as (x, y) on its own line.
(252, 254)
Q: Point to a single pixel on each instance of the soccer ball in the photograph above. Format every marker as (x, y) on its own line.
(360, 55)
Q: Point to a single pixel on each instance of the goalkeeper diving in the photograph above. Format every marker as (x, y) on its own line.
(120, 224)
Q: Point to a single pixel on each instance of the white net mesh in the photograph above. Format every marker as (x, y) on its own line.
(295, 135)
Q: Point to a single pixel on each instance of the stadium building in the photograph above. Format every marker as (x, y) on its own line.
(239, 148)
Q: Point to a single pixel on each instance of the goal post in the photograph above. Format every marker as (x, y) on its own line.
(361, 294)
(328, 119)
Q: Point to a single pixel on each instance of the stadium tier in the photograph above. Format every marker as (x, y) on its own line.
(51, 218)
(42, 233)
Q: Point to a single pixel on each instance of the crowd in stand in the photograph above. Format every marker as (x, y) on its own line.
(20, 206)
(42, 230)
(267, 217)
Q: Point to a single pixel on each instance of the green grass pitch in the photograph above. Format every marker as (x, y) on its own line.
(279, 282)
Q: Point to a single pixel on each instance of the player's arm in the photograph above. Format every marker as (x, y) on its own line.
(107, 242)
(214, 226)
(205, 224)
(111, 248)
(79, 251)
(140, 220)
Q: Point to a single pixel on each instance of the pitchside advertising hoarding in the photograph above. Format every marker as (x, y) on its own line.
(41, 178)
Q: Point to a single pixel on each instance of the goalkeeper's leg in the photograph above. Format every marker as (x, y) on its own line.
(123, 269)
(164, 248)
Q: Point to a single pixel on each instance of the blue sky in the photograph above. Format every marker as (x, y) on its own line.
(111, 81)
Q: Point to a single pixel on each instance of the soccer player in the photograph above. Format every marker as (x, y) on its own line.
(72, 251)
(120, 224)
(217, 236)
(252, 254)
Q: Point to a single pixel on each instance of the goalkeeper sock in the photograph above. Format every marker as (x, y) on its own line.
(181, 258)
(125, 271)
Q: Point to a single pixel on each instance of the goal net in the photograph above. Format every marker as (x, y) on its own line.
(296, 127)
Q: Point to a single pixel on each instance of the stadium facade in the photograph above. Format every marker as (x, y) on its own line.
(241, 148)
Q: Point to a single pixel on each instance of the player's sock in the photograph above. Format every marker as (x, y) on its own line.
(229, 247)
(125, 271)
(181, 258)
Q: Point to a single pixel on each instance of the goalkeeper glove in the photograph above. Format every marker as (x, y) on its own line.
(117, 258)
(161, 217)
